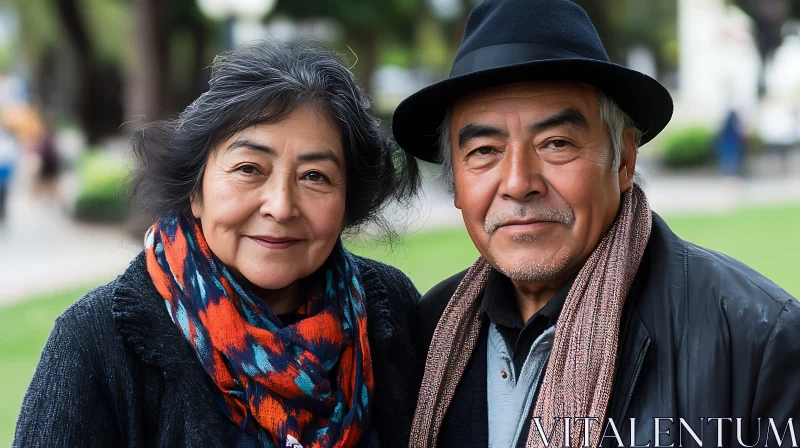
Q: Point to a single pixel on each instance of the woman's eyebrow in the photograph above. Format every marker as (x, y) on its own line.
(249, 144)
(313, 156)
(320, 155)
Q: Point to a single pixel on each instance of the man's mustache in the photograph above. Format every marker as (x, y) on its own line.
(534, 211)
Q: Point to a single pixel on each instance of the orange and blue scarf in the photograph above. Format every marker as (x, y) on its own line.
(307, 384)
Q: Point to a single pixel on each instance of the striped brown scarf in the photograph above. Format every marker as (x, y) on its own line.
(581, 366)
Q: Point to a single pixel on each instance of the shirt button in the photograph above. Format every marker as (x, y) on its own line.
(504, 374)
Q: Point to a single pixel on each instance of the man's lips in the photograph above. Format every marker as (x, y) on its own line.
(517, 226)
(271, 242)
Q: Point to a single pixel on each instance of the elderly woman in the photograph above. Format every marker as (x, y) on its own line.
(244, 322)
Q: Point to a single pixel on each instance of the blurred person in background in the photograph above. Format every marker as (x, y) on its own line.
(9, 154)
(245, 322)
(731, 143)
(25, 122)
(584, 307)
(49, 163)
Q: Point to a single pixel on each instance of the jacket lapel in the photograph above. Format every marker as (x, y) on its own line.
(479, 396)
(629, 364)
(634, 344)
(634, 341)
(141, 317)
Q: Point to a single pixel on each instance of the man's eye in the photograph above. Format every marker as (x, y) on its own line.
(557, 144)
(483, 151)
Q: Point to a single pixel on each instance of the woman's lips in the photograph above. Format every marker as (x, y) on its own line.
(275, 243)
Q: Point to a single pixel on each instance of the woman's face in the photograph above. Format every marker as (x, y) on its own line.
(272, 205)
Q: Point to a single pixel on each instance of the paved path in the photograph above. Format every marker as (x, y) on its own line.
(42, 250)
(684, 194)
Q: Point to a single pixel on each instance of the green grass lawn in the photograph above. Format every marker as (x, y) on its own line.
(767, 239)
(23, 331)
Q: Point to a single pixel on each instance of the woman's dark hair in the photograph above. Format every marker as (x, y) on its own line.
(263, 83)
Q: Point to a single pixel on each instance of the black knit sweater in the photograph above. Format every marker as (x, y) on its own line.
(116, 372)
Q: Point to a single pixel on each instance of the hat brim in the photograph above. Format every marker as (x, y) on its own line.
(417, 120)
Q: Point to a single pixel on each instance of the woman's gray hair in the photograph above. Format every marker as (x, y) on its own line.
(262, 83)
(614, 118)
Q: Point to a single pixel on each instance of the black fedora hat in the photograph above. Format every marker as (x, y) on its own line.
(509, 41)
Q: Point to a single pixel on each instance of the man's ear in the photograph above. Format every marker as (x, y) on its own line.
(627, 160)
(456, 202)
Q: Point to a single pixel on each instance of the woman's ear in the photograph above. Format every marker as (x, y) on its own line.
(196, 202)
(196, 198)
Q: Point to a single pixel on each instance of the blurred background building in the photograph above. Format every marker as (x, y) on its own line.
(77, 75)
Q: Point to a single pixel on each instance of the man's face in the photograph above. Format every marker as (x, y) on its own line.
(533, 174)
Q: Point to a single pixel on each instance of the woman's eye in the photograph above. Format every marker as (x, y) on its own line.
(315, 176)
(248, 170)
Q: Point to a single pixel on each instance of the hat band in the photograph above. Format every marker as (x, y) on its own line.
(508, 54)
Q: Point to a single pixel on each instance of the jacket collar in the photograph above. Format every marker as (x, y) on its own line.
(635, 339)
(141, 316)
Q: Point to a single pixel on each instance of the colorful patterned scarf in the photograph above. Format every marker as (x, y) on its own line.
(580, 369)
(309, 383)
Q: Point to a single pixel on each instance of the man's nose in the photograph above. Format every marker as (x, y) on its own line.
(522, 175)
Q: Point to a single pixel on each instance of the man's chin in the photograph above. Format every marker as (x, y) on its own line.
(532, 270)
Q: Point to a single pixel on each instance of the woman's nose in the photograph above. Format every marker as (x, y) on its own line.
(278, 201)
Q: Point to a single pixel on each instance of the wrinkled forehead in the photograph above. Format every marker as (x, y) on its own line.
(526, 100)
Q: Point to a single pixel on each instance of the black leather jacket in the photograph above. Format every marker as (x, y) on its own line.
(702, 336)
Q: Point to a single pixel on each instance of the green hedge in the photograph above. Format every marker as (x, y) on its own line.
(101, 181)
(688, 147)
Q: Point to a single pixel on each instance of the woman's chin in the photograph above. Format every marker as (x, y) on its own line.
(271, 279)
(272, 284)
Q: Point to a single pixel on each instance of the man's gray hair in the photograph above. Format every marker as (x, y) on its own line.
(614, 118)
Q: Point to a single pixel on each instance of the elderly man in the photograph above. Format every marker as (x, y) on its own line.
(586, 320)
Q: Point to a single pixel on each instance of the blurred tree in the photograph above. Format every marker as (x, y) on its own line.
(621, 24)
(59, 49)
(652, 24)
(431, 46)
(97, 84)
(194, 42)
(458, 25)
(607, 16)
(184, 45)
(104, 62)
(366, 23)
(170, 49)
(769, 16)
(148, 76)
(37, 36)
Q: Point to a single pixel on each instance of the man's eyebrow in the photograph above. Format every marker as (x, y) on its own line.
(565, 117)
(249, 144)
(476, 130)
(323, 154)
